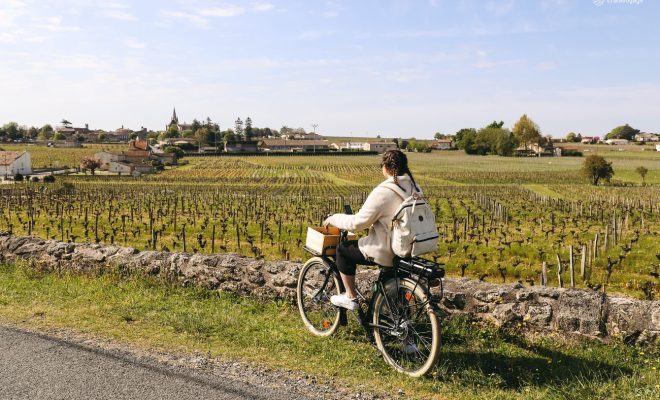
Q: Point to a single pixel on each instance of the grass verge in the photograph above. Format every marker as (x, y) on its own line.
(476, 362)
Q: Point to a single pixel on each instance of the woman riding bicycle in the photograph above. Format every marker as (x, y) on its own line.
(376, 214)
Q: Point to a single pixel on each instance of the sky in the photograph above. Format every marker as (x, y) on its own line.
(396, 68)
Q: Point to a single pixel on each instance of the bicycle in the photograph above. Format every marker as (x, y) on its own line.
(401, 317)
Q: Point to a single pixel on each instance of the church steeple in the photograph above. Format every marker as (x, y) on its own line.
(175, 119)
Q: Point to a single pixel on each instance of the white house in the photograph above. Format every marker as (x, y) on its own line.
(617, 142)
(657, 147)
(15, 162)
(347, 146)
(379, 147)
(645, 137)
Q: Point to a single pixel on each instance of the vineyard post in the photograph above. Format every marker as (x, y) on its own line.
(213, 240)
(559, 271)
(606, 241)
(544, 274)
(238, 236)
(571, 266)
(596, 245)
(183, 237)
(583, 261)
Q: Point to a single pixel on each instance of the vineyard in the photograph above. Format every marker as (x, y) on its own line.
(500, 219)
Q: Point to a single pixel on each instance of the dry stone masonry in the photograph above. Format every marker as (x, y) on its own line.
(571, 311)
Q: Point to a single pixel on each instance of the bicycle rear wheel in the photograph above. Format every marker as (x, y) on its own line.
(406, 328)
(316, 283)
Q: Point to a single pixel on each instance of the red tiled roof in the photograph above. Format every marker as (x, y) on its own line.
(8, 157)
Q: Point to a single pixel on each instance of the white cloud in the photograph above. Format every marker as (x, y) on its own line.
(191, 17)
(262, 7)
(53, 24)
(135, 44)
(121, 15)
(222, 12)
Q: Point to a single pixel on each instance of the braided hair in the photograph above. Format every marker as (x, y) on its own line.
(396, 163)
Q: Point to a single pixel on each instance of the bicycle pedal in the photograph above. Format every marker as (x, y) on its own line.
(343, 319)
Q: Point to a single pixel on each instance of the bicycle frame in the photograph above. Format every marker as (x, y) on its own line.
(385, 275)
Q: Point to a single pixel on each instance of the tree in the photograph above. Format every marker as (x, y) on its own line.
(248, 128)
(570, 137)
(496, 124)
(202, 136)
(229, 136)
(642, 171)
(171, 132)
(174, 150)
(623, 132)
(238, 128)
(526, 131)
(66, 123)
(59, 136)
(438, 136)
(195, 125)
(188, 133)
(102, 137)
(461, 134)
(91, 164)
(10, 130)
(46, 132)
(596, 168)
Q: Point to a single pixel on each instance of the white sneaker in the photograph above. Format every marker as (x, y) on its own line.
(342, 300)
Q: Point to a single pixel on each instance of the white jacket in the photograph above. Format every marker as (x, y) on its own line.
(376, 214)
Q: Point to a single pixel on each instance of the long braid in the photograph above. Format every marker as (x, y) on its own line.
(396, 162)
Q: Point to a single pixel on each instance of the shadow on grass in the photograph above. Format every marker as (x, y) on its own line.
(514, 362)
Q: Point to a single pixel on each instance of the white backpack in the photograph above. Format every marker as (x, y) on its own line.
(413, 231)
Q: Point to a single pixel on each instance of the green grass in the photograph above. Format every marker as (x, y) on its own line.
(477, 362)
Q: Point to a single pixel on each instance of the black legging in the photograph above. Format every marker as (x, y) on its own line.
(348, 256)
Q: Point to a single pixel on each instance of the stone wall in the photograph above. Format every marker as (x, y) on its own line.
(571, 311)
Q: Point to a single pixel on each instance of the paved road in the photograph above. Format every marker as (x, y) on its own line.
(35, 366)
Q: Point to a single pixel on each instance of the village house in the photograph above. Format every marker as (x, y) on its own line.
(250, 146)
(589, 139)
(285, 145)
(379, 147)
(536, 150)
(347, 146)
(645, 137)
(617, 142)
(138, 157)
(442, 144)
(15, 162)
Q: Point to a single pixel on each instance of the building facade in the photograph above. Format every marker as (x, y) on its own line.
(15, 162)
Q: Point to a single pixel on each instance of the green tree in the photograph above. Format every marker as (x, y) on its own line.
(66, 123)
(248, 129)
(46, 132)
(642, 171)
(570, 137)
(526, 131)
(171, 132)
(188, 133)
(596, 168)
(461, 135)
(59, 136)
(229, 136)
(202, 136)
(623, 132)
(177, 151)
(495, 124)
(439, 136)
(238, 128)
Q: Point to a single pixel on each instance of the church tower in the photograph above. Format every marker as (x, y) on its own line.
(175, 119)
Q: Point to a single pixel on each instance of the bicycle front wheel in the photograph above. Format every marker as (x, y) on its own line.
(316, 283)
(406, 328)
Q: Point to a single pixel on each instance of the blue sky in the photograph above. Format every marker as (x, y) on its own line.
(362, 67)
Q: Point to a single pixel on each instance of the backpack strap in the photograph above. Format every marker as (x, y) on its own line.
(398, 193)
